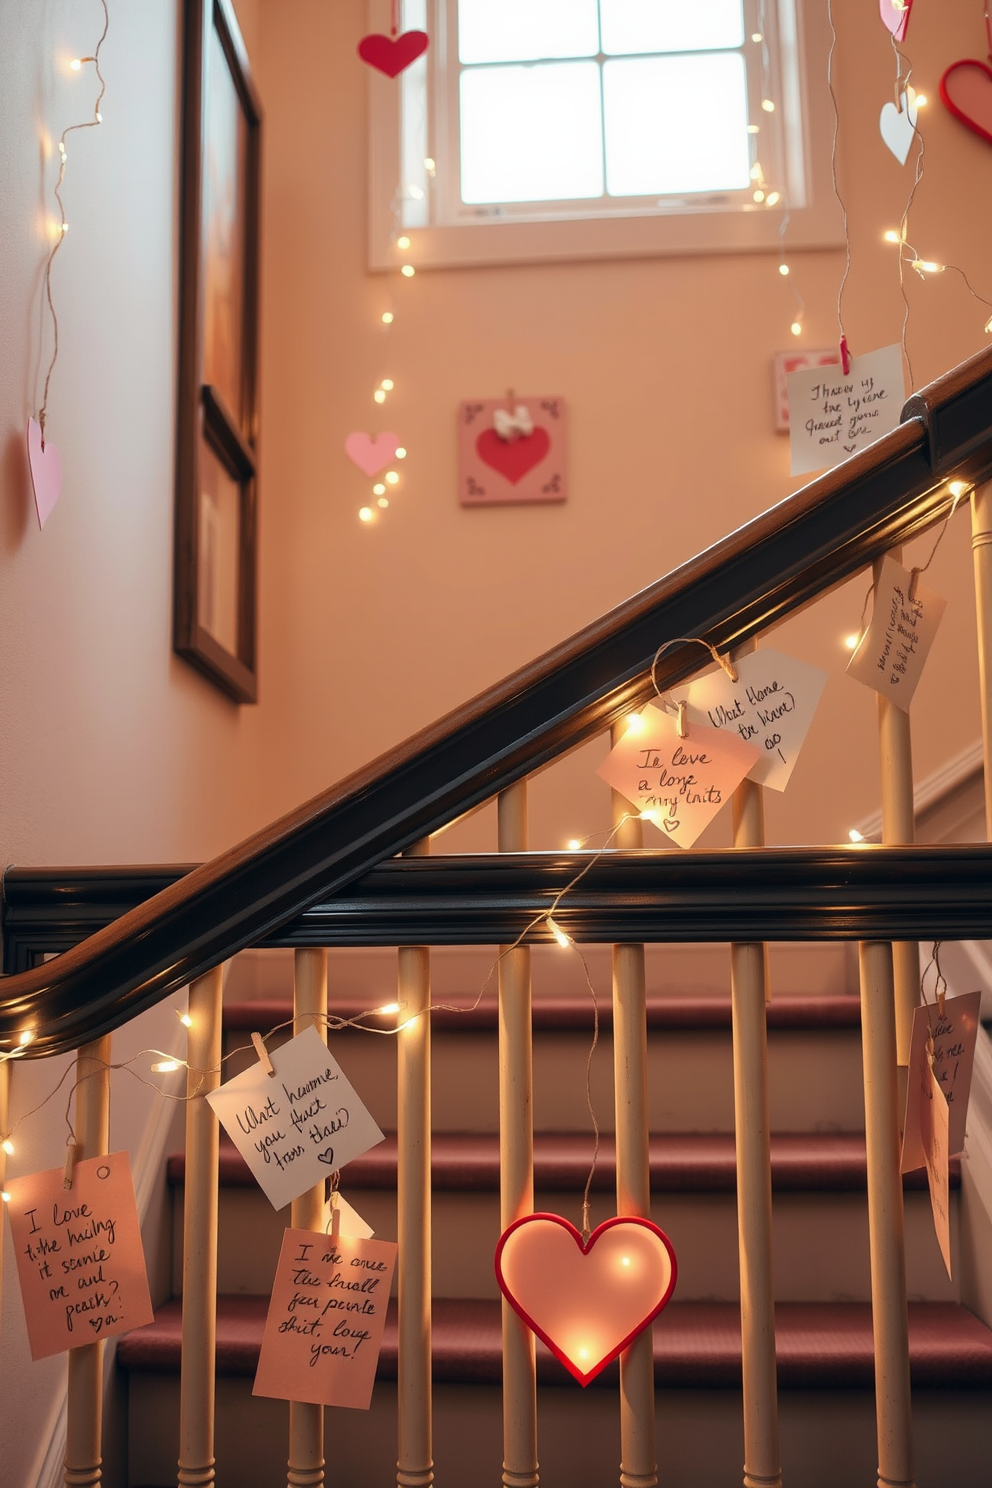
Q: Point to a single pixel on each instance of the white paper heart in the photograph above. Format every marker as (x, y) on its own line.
(898, 125)
(46, 472)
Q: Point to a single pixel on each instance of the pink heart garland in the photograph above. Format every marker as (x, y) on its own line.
(895, 16)
(587, 1300)
(46, 472)
(392, 54)
(371, 452)
(966, 92)
(512, 458)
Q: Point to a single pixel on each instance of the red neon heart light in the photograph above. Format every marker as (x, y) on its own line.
(512, 458)
(966, 92)
(392, 54)
(587, 1300)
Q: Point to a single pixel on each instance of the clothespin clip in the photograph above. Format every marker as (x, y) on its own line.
(914, 579)
(845, 357)
(263, 1053)
(70, 1162)
(728, 666)
(681, 727)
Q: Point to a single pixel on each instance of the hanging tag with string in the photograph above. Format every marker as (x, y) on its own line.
(892, 652)
(947, 1027)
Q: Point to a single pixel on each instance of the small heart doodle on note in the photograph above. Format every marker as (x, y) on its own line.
(327, 1156)
(671, 823)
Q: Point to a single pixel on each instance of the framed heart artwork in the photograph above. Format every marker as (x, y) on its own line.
(511, 451)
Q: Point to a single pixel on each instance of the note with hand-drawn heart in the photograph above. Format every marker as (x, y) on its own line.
(893, 650)
(299, 1125)
(371, 452)
(393, 54)
(898, 125)
(895, 16)
(677, 784)
(771, 706)
(587, 1300)
(966, 92)
(834, 415)
(46, 472)
(79, 1256)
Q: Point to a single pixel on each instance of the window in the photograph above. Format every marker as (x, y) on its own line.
(544, 129)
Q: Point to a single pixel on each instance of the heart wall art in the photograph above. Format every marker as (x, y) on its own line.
(511, 451)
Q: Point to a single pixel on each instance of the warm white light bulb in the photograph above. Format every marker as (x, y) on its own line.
(185, 1019)
(855, 835)
(773, 198)
(392, 478)
(768, 105)
(796, 328)
(165, 1066)
(756, 36)
(387, 317)
(927, 266)
(758, 196)
(389, 1007)
(625, 1260)
(574, 844)
(408, 271)
(957, 488)
(365, 514)
(558, 934)
(416, 192)
(403, 243)
(27, 1037)
(921, 100)
(891, 236)
(851, 642)
(388, 384)
(429, 164)
(754, 129)
(7, 1146)
(76, 64)
(635, 723)
(378, 396)
(783, 269)
(378, 489)
(400, 453)
(5, 1196)
(383, 502)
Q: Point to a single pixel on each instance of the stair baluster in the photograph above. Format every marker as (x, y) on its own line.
(306, 1421)
(197, 1386)
(981, 544)
(4, 1127)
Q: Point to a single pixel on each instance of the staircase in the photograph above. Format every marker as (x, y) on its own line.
(821, 1254)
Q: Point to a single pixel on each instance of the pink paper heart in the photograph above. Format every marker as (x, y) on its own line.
(895, 16)
(966, 92)
(46, 472)
(513, 458)
(371, 452)
(586, 1300)
(391, 54)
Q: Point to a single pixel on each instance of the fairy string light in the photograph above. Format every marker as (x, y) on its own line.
(845, 355)
(62, 227)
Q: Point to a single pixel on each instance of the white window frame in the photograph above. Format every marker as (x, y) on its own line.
(466, 236)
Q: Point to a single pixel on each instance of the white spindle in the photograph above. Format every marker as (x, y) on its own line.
(84, 1411)
(981, 543)
(306, 1421)
(516, 1159)
(4, 1124)
(415, 1464)
(196, 1386)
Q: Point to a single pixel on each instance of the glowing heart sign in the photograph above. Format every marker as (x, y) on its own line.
(393, 54)
(587, 1300)
(966, 92)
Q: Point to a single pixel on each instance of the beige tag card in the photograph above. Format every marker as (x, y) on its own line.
(770, 706)
(833, 414)
(954, 1033)
(80, 1261)
(325, 1321)
(933, 1135)
(678, 784)
(350, 1222)
(299, 1125)
(895, 647)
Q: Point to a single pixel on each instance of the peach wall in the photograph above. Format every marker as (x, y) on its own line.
(370, 633)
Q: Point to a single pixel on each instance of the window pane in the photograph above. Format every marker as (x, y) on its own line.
(531, 133)
(675, 124)
(671, 25)
(526, 30)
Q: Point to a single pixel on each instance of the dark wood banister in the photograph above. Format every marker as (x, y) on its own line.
(768, 569)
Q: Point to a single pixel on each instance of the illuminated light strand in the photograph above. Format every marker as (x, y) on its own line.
(76, 65)
(836, 184)
(928, 266)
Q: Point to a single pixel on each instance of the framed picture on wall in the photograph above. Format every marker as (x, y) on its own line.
(214, 600)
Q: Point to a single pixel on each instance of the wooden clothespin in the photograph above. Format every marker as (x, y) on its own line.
(914, 579)
(263, 1053)
(70, 1162)
(681, 726)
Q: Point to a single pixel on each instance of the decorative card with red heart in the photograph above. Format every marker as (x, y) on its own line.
(511, 451)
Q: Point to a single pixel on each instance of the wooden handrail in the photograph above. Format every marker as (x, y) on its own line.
(768, 569)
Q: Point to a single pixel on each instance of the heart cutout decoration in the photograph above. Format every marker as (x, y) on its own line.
(371, 452)
(966, 92)
(46, 472)
(393, 54)
(898, 125)
(513, 458)
(587, 1300)
(895, 16)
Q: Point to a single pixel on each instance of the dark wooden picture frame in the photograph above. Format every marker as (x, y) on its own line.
(214, 589)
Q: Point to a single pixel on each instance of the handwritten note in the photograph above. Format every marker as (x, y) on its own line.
(933, 1135)
(79, 1257)
(832, 415)
(297, 1126)
(771, 707)
(324, 1326)
(895, 647)
(678, 784)
(954, 1033)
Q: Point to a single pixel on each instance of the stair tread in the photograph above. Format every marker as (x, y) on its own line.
(573, 1014)
(681, 1162)
(820, 1345)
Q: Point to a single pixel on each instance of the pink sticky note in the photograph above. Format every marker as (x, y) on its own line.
(371, 452)
(324, 1326)
(79, 1256)
(678, 784)
(46, 472)
(511, 455)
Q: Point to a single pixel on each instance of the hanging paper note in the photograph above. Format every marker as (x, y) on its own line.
(894, 649)
(833, 415)
(933, 1137)
(897, 126)
(79, 1256)
(954, 1032)
(771, 707)
(324, 1326)
(299, 1125)
(678, 784)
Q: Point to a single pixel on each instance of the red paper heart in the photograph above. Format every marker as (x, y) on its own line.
(512, 457)
(895, 16)
(391, 54)
(586, 1300)
(966, 92)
